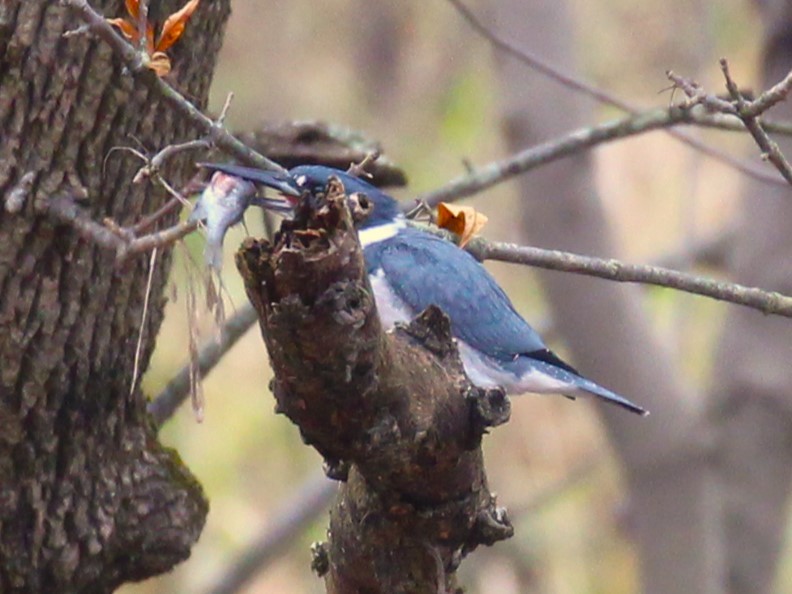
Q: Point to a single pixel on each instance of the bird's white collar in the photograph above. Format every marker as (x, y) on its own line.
(379, 233)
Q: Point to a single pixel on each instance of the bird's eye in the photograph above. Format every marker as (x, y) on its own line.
(301, 180)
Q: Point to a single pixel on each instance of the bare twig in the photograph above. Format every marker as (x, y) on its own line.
(150, 220)
(144, 315)
(775, 94)
(770, 148)
(135, 61)
(768, 302)
(600, 95)
(359, 169)
(747, 111)
(696, 95)
(64, 210)
(584, 138)
(142, 23)
(163, 238)
(290, 521)
(226, 107)
(152, 168)
(153, 165)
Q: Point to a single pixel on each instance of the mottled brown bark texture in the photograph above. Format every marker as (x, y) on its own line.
(88, 497)
(394, 409)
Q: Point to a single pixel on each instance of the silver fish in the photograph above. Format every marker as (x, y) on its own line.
(221, 205)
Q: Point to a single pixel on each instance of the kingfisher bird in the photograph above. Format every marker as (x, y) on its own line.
(411, 269)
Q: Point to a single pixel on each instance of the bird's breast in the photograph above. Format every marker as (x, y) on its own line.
(390, 306)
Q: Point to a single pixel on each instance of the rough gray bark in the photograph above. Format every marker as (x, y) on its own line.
(88, 498)
(396, 410)
(604, 325)
(751, 401)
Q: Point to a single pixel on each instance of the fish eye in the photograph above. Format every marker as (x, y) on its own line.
(301, 180)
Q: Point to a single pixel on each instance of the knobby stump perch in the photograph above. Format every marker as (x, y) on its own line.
(395, 408)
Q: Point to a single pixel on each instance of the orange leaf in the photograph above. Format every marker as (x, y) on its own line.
(150, 39)
(133, 8)
(464, 221)
(160, 63)
(127, 29)
(174, 25)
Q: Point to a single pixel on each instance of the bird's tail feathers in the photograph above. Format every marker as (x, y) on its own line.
(587, 388)
(543, 376)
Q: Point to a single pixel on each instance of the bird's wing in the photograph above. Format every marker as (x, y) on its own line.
(425, 270)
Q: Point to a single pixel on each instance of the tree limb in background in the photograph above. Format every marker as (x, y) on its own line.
(175, 393)
(768, 302)
(571, 82)
(298, 512)
(316, 493)
(747, 111)
(486, 176)
(123, 241)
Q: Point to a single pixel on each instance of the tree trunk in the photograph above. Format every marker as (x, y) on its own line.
(88, 498)
(751, 399)
(395, 409)
(605, 324)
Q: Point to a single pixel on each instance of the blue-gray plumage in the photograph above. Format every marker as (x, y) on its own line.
(411, 269)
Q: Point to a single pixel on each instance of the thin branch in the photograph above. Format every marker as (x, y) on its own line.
(696, 95)
(144, 315)
(359, 169)
(136, 62)
(775, 94)
(163, 238)
(290, 521)
(63, 209)
(175, 393)
(123, 241)
(496, 172)
(750, 117)
(768, 302)
(600, 95)
(153, 165)
(150, 220)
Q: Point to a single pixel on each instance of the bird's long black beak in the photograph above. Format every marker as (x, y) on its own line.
(283, 207)
(281, 182)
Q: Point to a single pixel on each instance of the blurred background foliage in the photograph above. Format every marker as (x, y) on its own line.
(413, 76)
